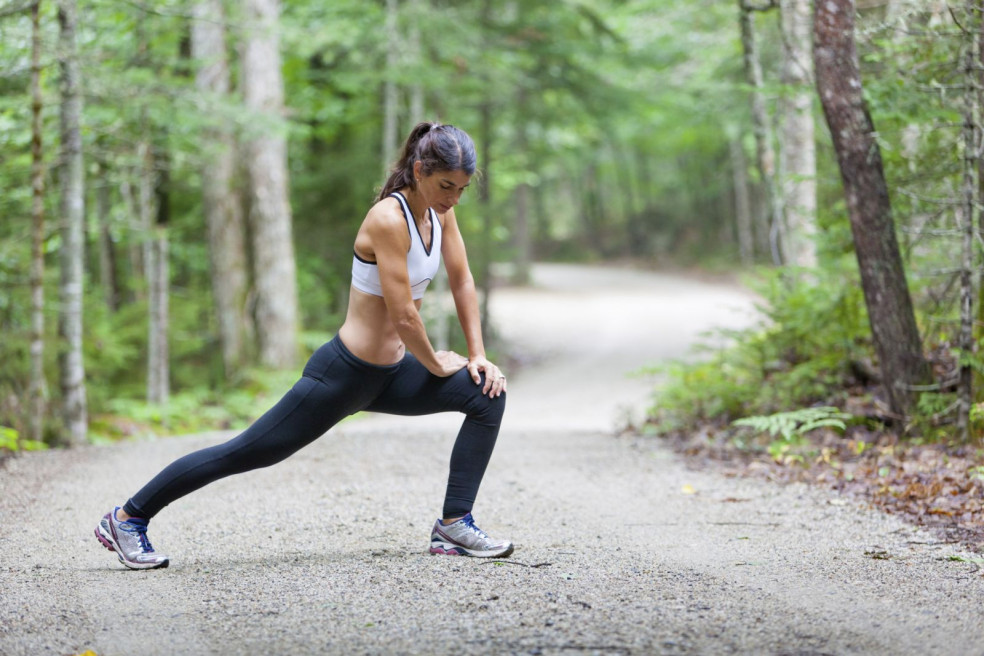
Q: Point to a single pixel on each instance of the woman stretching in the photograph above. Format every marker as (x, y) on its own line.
(380, 361)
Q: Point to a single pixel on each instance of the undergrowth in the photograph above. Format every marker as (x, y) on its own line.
(810, 348)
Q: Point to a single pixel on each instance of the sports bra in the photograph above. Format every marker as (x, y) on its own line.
(422, 262)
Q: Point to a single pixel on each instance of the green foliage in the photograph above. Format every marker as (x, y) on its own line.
(812, 329)
(795, 424)
(10, 441)
(789, 429)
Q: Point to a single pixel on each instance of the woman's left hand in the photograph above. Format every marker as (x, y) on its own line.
(495, 382)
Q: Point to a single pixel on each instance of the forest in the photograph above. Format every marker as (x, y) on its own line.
(182, 182)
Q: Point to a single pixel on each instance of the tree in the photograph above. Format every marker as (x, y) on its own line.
(38, 386)
(72, 185)
(890, 312)
(798, 167)
(158, 281)
(221, 204)
(274, 267)
(765, 159)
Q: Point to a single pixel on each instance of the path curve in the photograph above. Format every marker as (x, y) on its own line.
(621, 549)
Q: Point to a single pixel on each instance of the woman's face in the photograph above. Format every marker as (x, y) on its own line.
(441, 189)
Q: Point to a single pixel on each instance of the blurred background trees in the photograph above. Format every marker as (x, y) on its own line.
(200, 222)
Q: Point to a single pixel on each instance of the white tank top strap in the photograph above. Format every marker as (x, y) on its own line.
(423, 261)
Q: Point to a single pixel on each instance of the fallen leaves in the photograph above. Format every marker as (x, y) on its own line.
(934, 485)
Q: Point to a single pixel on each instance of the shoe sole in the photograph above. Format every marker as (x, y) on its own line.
(445, 549)
(107, 541)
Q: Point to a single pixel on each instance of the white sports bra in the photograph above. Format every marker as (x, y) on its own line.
(422, 261)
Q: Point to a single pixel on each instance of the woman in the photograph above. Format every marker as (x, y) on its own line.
(381, 359)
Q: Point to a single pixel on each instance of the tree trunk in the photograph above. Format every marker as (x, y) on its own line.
(145, 201)
(886, 293)
(743, 208)
(38, 385)
(417, 16)
(391, 94)
(72, 183)
(764, 156)
(274, 266)
(221, 204)
(798, 152)
(971, 152)
(979, 325)
(485, 203)
(134, 232)
(108, 273)
(158, 289)
(521, 226)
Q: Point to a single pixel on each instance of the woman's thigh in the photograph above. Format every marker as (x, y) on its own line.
(416, 391)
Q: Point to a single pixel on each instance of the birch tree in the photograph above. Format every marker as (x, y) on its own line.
(158, 279)
(798, 167)
(72, 208)
(38, 386)
(971, 138)
(223, 211)
(765, 159)
(274, 266)
(391, 93)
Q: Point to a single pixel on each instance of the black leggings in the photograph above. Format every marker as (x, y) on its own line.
(336, 384)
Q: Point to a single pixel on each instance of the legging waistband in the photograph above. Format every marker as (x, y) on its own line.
(358, 362)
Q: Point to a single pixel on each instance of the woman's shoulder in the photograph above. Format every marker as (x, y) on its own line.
(386, 216)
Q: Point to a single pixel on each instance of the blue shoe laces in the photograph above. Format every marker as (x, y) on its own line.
(469, 521)
(140, 528)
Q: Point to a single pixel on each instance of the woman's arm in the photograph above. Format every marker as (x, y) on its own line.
(462, 285)
(390, 243)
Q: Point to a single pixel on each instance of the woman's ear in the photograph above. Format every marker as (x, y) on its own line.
(418, 166)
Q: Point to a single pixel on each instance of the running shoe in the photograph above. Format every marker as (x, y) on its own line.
(463, 538)
(129, 540)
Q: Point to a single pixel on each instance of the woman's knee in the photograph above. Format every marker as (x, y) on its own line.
(484, 407)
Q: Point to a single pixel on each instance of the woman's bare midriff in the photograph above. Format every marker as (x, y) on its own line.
(368, 332)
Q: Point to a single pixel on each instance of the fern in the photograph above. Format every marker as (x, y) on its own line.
(795, 424)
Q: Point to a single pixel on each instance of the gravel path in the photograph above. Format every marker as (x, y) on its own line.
(621, 549)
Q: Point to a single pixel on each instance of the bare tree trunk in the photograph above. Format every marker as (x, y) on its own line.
(72, 183)
(108, 274)
(134, 231)
(886, 293)
(275, 269)
(158, 292)
(223, 210)
(38, 385)
(798, 152)
(521, 226)
(971, 154)
(145, 200)
(416, 90)
(391, 94)
(979, 324)
(485, 202)
(743, 207)
(765, 157)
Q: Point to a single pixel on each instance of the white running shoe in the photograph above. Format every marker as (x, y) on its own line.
(129, 540)
(463, 538)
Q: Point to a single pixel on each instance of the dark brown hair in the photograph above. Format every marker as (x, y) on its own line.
(438, 148)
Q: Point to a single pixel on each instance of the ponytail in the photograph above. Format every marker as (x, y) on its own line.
(438, 147)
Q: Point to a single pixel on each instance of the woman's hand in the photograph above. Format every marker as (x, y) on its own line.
(495, 382)
(449, 362)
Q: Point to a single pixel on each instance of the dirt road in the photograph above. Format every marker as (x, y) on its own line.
(621, 549)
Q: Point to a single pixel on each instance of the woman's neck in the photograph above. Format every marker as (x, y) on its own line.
(416, 202)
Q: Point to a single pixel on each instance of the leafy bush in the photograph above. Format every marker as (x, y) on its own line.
(813, 331)
(10, 441)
